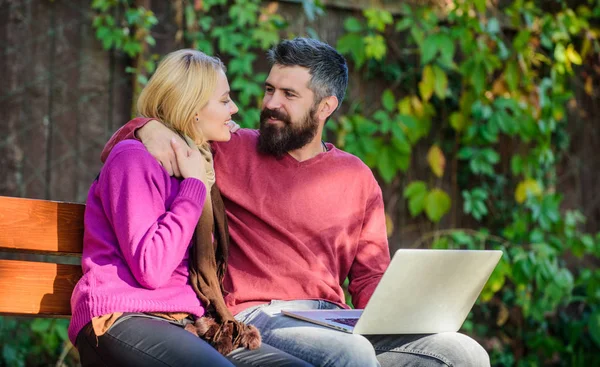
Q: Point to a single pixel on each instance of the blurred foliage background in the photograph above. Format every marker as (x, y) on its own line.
(463, 109)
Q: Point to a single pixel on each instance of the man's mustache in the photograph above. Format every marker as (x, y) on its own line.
(275, 114)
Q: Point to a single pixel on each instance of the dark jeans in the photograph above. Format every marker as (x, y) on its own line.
(147, 341)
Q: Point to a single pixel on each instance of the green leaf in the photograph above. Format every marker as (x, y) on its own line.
(511, 75)
(466, 153)
(375, 47)
(560, 53)
(437, 204)
(474, 203)
(353, 44)
(312, 9)
(399, 138)
(41, 325)
(244, 14)
(480, 5)
(62, 333)
(386, 165)
(381, 116)
(352, 24)
(478, 77)
(416, 193)
(461, 238)
(437, 42)
(429, 49)
(378, 18)
(594, 327)
(10, 355)
(415, 188)
(516, 165)
(447, 48)
(403, 162)
(521, 40)
(404, 24)
(388, 100)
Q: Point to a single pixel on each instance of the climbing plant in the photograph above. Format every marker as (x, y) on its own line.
(462, 80)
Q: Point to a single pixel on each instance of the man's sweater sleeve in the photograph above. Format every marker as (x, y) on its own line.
(373, 255)
(153, 239)
(126, 131)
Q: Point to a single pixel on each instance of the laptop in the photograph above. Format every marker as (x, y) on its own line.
(421, 292)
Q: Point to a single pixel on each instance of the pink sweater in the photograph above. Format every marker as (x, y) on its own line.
(298, 229)
(138, 226)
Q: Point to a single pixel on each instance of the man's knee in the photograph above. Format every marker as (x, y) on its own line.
(460, 350)
(327, 348)
(354, 350)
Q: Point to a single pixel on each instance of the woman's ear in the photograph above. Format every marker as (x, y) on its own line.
(327, 107)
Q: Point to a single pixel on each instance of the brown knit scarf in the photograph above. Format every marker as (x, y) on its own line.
(207, 265)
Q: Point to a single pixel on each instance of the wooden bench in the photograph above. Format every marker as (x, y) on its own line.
(32, 231)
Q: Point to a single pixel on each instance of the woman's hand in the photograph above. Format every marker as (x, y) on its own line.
(190, 161)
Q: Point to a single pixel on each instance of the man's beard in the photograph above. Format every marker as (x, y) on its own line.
(277, 140)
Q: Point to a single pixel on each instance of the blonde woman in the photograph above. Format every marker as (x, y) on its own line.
(148, 278)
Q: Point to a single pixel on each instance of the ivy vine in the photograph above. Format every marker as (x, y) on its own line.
(463, 80)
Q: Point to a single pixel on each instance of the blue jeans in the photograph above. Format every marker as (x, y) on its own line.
(321, 346)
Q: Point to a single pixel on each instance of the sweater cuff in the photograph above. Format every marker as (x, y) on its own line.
(193, 189)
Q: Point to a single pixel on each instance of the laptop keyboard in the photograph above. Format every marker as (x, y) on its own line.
(345, 321)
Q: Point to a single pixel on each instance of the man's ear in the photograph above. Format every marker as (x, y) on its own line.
(327, 107)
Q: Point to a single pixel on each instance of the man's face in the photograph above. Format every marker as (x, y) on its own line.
(288, 117)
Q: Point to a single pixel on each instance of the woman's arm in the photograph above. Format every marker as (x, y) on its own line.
(153, 239)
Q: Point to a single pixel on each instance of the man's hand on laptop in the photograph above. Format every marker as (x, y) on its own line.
(156, 137)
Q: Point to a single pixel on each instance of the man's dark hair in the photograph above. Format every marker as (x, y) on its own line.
(327, 67)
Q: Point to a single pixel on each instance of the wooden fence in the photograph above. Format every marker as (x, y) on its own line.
(63, 96)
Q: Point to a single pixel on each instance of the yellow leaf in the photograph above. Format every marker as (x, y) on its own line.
(441, 82)
(417, 106)
(503, 315)
(586, 47)
(458, 121)
(499, 87)
(436, 160)
(589, 86)
(389, 225)
(528, 186)
(426, 85)
(573, 56)
(404, 106)
(558, 112)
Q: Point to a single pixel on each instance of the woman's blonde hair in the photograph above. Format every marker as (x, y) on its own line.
(180, 87)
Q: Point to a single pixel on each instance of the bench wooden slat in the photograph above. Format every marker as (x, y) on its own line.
(35, 288)
(41, 225)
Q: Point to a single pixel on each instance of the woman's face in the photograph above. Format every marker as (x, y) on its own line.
(213, 119)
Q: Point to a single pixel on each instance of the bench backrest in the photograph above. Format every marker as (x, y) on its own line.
(29, 228)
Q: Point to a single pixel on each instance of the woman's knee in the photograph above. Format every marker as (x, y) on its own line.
(140, 341)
